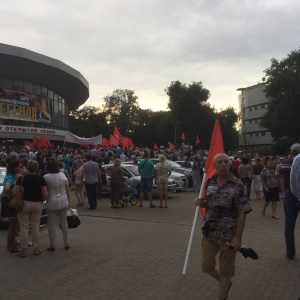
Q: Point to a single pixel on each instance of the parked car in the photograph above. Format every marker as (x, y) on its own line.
(185, 164)
(133, 178)
(182, 176)
(3, 218)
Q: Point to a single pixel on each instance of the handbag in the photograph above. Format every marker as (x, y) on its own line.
(17, 200)
(73, 220)
(250, 174)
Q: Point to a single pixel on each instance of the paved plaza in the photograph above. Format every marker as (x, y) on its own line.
(138, 253)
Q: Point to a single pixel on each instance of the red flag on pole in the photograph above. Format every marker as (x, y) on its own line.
(171, 146)
(216, 147)
(183, 136)
(117, 133)
(105, 142)
(113, 140)
(155, 147)
(36, 141)
(197, 139)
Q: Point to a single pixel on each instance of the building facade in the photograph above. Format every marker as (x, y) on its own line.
(36, 94)
(253, 104)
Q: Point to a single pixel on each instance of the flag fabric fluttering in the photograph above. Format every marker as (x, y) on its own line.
(183, 137)
(36, 141)
(113, 141)
(117, 133)
(105, 142)
(171, 146)
(197, 139)
(216, 147)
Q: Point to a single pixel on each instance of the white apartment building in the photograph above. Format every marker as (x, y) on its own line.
(253, 104)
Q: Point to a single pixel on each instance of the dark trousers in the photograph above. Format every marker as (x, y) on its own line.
(291, 210)
(115, 189)
(247, 182)
(91, 192)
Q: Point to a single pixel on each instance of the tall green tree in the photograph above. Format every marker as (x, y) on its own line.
(283, 90)
(122, 109)
(88, 121)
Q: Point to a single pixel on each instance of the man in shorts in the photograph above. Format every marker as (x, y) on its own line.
(146, 169)
(226, 205)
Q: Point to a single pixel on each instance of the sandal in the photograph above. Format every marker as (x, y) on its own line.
(67, 246)
(37, 251)
(160, 206)
(166, 206)
(51, 248)
(29, 244)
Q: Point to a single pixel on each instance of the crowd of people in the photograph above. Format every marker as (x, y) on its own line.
(49, 174)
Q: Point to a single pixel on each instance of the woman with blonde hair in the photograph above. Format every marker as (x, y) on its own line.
(58, 202)
(35, 192)
(116, 181)
(161, 175)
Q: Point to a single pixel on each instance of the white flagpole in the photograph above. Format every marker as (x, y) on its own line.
(193, 228)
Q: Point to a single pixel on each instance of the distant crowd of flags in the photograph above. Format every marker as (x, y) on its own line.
(115, 140)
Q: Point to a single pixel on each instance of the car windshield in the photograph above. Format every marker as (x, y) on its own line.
(172, 164)
(132, 169)
(2, 175)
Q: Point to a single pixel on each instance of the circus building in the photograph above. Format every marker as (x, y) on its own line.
(36, 94)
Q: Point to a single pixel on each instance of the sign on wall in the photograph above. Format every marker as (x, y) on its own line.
(24, 106)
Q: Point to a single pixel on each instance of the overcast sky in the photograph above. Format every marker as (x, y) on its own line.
(145, 45)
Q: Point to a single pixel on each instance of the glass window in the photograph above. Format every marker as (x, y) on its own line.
(55, 96)
(7, 83)
(37, 90)
(55, 106)
(251, 134)
(19, 85)
(263, 133)
(256, 133)
(50, 94)
(262, 106)
(28, 87)
(255, 107)
(250, 122)
(44, 92)
(250, 108)
(256, 121)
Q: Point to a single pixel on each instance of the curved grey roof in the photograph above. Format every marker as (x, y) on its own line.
(26, 65)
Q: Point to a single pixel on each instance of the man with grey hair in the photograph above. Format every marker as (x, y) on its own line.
(291, 171)
(226, 205)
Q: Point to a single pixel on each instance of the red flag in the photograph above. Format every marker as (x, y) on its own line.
(28, 144)
(216, 147)
(113, 140)
(36, 141)
(197, 139)
(171, 146)
(45, 143)
(155, 147)
(117, 133)
(105, 142)
(183, 136)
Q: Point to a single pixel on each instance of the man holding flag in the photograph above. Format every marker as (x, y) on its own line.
(226, 205)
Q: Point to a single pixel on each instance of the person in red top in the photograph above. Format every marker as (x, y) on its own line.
(235, 165)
